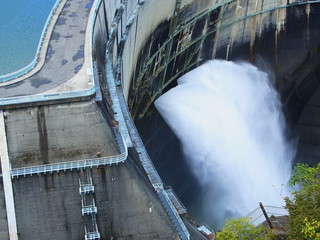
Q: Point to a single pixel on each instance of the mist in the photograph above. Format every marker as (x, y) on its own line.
(228, 118)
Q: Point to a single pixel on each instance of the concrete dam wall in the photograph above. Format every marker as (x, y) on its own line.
(280, 37)
(144, 46)
(50, 205)
(161, 43)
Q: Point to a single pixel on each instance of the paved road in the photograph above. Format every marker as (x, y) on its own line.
(65, 53)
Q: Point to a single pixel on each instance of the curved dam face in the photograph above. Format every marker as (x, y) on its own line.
(168, 39)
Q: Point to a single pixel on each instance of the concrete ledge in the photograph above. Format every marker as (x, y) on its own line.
(46, 99)
(79, 164)
(7, 184)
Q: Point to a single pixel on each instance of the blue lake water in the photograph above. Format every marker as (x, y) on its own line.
(21, 25)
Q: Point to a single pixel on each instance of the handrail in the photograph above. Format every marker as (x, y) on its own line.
(77, 164)
(182, 230)
(144, 157)
(119, 104)
(176, 201)
(63, 166)
(257, 216)
(117, 109)
(92, 235)
(47, 97)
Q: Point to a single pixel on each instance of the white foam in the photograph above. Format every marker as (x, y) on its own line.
(227, 116)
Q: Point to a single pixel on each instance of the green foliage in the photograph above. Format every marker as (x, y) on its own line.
(311, 229)
(304, 175)
(304, 207)
(304, 212)
(241, 228)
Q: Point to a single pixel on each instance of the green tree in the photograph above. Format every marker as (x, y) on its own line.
(241, 228)
(304, 207)
(304, 212)
(311, 229)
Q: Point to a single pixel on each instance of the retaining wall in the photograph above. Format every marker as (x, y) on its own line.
(57, 133)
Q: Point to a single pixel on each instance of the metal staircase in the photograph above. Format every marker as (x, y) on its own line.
(89, 209)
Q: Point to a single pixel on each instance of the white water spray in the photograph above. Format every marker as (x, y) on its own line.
(227, 116)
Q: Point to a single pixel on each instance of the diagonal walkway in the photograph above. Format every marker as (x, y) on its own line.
(7, 184)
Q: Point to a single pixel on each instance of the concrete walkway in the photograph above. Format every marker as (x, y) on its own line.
(7, 184)
(67, 62)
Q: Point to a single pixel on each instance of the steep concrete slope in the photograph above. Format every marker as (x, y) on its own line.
(4, 234)
(49, 206)
(57, 133)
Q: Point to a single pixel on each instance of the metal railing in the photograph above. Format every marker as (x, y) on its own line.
(47, 97)
(88, 209)
(78, 164)
(150, 170)
(176, 201)
(122, 115)
(258, 217)
(128, 129)
(139, 146)
(98, 96)
(63, 166)
(92, 235)
(118, 115)
(173, 214)
(86, 188)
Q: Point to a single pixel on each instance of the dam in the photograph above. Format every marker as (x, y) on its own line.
(73, 164)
